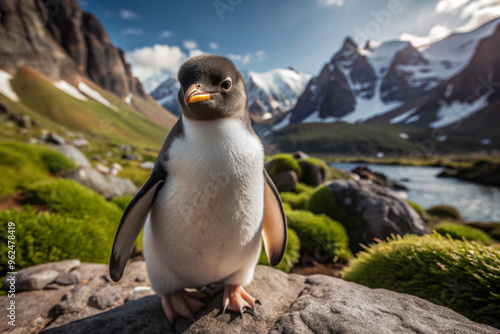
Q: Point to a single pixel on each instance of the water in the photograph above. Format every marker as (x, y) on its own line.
(474, 201)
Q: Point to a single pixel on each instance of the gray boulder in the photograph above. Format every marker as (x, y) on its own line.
(107, 185)
(312, 174)
(288, 304)
(370, 211)
(73, 153)
(285, 181)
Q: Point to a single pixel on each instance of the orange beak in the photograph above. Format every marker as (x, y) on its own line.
(193, 95)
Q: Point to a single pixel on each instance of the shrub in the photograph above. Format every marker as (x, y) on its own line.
(292, 253)
(44, 237)
(464, 276)
(299, 197)
(287, 206)
(284, 162)
(444, 211)
(319, 232)
(458, 231)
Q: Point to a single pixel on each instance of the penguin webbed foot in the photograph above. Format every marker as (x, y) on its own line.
(237, 299)
(183, 304)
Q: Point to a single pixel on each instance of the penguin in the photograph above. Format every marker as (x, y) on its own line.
(209, 199)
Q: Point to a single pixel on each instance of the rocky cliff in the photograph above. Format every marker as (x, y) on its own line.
(60, 40)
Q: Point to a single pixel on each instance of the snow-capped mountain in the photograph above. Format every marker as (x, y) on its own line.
(270, 94)
(394, 82)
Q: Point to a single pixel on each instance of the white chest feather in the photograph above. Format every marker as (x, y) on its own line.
(210, 209)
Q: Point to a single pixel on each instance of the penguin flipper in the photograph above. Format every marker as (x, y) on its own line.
(131, 224)
(274, 228)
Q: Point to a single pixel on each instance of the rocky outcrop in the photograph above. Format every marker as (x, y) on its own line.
(369, 211)
(288, 304)
(107, 185)
(381, 179)
(285, 181)
(59, 39)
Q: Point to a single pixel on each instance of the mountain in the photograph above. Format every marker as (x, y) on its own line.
(270, 94)
(361, 83)
(57, 49)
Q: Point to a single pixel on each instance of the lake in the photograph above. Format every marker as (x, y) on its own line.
(475, 202)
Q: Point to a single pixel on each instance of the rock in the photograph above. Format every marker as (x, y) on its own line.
(290, 303)
(300, 155)
(108, 296)
(116, 166)
(312, 175)
(373, 212)
(79, 142)
(70, 278)
(38, 277)
(149, 165)
(125, 148)
(54, 138)
(129, 157)
(379, 178)
(73, 153)
(32, 140)
(285, 181)
(107, 185)
(101, 168)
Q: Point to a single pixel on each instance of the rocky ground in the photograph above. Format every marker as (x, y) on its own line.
(290, 303)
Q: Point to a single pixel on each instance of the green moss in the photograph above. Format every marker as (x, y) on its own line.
(296, 201)
(459, 231)
(134, 173)
(22, 164)
(292, 253)
(287, 206)
(284, 162)
(44, 237)
(464, 276)
(69, 197)
(122, 202)
(320, 233)
(444, 211)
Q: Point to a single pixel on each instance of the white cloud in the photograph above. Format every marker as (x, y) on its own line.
(190, 44)
(149, 61)
(234, 57)
(213, 46)
(195, 52)
(479, 12)
(165, 34)
(132, 31)
(328, 3)
(246, 58)
(128, 15)
(261, 55)
(449, 5)
(437, 33)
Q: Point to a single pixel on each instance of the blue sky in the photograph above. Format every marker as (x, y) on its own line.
(260, 35)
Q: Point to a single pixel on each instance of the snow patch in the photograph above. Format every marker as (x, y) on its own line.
(89, 91)
(449, 114)
(129, 97)
(5, 87)
(403, 116)
(283, 123)
(404, 135)
(412, 119)
(70, 90)
(449, 90)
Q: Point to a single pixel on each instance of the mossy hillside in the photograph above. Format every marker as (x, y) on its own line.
(123, 125)
(23, 164)
(464, 276)
(444, 211)
(319, 235)
(47, 237)
(459, 232)
(282, 163)
(292, 253)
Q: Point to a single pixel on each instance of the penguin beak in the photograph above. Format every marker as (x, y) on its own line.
(193, 95)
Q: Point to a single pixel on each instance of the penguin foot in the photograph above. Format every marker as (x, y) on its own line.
(237, 299)
(182, 304)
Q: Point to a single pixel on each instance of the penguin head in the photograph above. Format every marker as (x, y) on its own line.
(211, 88)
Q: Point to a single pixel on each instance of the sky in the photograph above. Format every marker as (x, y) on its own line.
(259, 35)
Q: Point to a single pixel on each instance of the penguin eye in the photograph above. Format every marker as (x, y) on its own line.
(226, 84)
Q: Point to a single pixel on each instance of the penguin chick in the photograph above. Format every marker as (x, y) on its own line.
(208, 200)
